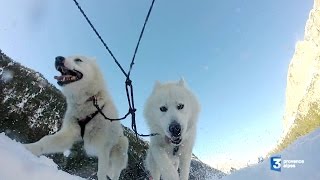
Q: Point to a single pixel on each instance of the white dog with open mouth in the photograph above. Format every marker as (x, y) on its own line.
(171, 111)
(82, 83)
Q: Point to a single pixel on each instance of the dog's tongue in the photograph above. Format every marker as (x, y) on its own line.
(59, 78)
(175, 138)
(172, 139)
(65, 77)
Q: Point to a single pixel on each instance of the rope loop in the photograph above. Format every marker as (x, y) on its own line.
(129, 88)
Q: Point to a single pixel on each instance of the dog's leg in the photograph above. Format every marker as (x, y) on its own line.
(167, 169)
(104, 162)
(58, 142)
(185, 160)
(152, 167)
(119, 157)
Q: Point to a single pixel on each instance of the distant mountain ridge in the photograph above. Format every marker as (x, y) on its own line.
(302, 109)
(303, 79)
(31, 108)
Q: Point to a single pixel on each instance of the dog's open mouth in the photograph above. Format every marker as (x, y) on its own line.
(174, 140)
(67, 75)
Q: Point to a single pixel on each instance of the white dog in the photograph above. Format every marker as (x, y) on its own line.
(82, 83)
(171, 111)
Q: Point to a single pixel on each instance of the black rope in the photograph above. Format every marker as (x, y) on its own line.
(100, 38)
(140, 37)
(132, 109)
(129, 87)
(128, 83)
(95, 104)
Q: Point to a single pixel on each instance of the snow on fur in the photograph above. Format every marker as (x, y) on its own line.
(17, 163)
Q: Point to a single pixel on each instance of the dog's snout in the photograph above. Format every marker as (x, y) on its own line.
(59, 61)
(175, 129)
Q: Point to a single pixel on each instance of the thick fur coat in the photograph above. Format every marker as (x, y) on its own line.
(81, 80)
(171, 111)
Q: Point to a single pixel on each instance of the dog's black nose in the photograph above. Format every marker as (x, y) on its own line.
(59, 61)
(175, 129)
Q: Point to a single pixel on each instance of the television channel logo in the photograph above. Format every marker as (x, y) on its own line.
(275, 163)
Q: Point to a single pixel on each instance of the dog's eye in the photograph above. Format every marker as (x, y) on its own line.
(180, 106)
(163, 109)
(78, 60)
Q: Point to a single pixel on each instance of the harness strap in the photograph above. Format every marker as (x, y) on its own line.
(83, 122)
(175, 150)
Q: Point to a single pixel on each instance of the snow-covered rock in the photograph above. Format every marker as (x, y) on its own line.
(303, 79)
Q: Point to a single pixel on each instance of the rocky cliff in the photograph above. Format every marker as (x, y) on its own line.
(303, 80)
(30, 108)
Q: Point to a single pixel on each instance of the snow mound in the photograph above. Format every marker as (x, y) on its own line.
(18, 163)
(306, 148)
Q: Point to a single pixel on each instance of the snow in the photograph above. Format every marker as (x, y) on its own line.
(67, 153)
(6, 76)
(17, 163)
(22, 103)
(306, 148)
(9, 93)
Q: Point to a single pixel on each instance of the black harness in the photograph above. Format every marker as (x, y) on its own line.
(83, 122)
(175, 150)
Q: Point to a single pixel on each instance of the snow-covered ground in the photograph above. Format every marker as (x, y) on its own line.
(17, 163)
(306, 148)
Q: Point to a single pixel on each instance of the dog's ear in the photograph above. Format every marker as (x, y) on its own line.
(157, 84)
(93, 58)
(182, 82)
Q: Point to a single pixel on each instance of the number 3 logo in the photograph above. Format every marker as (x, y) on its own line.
(276, 163)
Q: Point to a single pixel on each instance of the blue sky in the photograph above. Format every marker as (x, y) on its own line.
(233, 54)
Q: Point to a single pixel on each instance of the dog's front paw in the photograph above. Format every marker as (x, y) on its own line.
(33, 148)
(170, 175)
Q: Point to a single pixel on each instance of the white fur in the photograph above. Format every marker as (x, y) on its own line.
(160, 160)
(102, 138)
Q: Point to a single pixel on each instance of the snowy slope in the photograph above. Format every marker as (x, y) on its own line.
(18, 164)
(306, 148)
